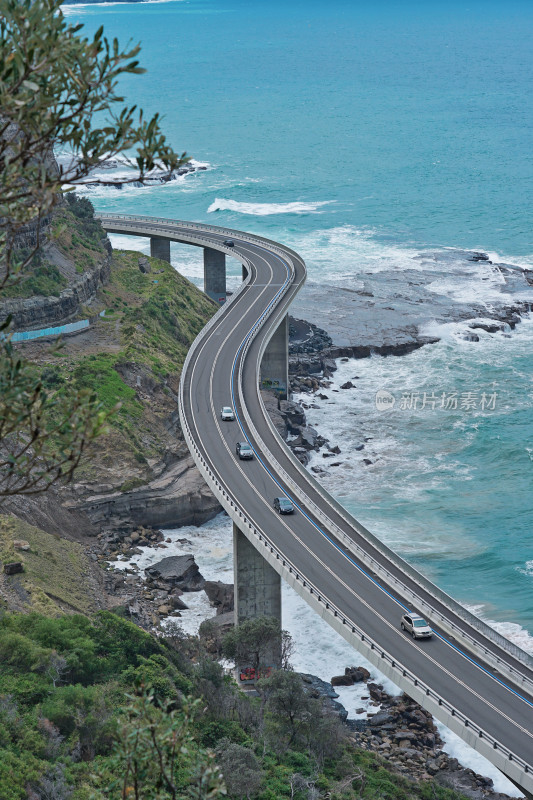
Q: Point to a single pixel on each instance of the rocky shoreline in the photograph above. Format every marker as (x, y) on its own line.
(395, 727)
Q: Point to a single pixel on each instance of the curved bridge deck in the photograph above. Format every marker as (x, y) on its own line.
(470, 678)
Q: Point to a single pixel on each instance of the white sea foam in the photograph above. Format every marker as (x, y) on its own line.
(344, 253)
(469, 758)
(318, 650)
(511, 630)
(68, 9)
(122, 169)
(121, 241)
(266, 209)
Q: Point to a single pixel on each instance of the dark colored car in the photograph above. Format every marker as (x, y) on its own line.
(229, 242)
(244, 451)
(283, 505)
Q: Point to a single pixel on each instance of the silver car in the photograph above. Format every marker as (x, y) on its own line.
(416, 626)
(227, 414)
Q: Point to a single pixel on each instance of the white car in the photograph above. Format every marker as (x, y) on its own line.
(416, 626)
(227, 414)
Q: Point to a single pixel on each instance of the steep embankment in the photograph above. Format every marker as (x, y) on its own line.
(139, 472)
(56, 575)
(65, 274)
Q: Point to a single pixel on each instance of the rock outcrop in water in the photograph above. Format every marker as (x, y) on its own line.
(395, 311)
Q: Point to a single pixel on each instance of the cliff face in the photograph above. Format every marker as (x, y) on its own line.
(32, 313)
(138, 473)
(35, 231)
(178, 497)
(72, 263)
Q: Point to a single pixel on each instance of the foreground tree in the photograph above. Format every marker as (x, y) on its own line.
(58, 91)
(258, 643)
(156, 757)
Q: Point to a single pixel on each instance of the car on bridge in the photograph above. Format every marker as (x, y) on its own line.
(283, 505)
(244, 451)
(227, 414)
(229, 242)
(416, 626)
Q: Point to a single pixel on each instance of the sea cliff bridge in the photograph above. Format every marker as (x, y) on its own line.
(468, 676)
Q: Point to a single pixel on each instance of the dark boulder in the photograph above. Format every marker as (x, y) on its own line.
(358, 674)
(14, 568)
(376, 692)
(292, 413)
(221, 595)
(342, 680)
(180, 571)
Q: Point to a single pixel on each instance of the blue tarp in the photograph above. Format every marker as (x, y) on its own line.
(24, 336)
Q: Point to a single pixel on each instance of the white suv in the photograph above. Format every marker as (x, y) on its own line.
(227, 414)
(416, 626)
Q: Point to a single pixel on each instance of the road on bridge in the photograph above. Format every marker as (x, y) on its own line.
(221, 370)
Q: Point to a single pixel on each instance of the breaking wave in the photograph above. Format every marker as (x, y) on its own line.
(266, 209)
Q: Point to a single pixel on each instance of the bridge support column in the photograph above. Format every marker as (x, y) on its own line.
(215, 274)
(160, 248)
(275, 362)
(257, 585)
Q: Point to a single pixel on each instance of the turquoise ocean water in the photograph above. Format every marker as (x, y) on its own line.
(364, 134)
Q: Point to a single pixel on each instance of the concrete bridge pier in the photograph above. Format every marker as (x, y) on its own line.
(257, 586)
(215, 275)
(275, 362)
(160, 248)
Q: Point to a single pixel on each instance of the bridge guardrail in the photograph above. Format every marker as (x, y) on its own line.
(240, 518)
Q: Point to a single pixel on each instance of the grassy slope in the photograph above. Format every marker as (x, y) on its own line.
(134, 356)
(76, 244)
(56, 571)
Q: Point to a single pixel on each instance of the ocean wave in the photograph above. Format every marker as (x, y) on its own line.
(266, 209)
(510, 630)
(70, 8)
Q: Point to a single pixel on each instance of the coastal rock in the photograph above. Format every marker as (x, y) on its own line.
(221, 595)
(292, 412)
(305, 337)
(40, 312)
(178, 497)
(319, 688)
(342, 680)
(180, 571)
(13, 568)
(406, 301)
(272, 406)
